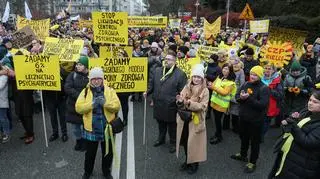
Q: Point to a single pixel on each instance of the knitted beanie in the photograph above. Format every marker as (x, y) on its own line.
(96, 72)
(258, 70)
(295, 66)
(84, 61)
(198, 70)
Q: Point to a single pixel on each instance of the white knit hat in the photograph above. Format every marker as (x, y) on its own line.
(96, 72)
(198, 70)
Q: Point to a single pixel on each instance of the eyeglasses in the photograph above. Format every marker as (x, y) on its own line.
(169, 59)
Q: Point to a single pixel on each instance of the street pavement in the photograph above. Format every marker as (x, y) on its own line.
(59, 160)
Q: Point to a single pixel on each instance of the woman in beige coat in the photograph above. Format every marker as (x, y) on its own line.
(192, 134)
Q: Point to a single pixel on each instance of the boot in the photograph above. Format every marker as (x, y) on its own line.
(77, 147)
(193, 168)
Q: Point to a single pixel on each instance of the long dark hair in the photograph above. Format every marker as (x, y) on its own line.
(231, 76)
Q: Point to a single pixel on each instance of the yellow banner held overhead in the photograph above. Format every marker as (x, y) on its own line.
(148, 21)
(110, 27)
(123, 74)
(67, 49)
(259, 26)
(247, 13)
(37, 72)
(39, 27)
(212, 29)
(277, 53)
(186, 65)
(296, 37)
(115, 51)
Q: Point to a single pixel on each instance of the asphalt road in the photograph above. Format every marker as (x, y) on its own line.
(59, 160)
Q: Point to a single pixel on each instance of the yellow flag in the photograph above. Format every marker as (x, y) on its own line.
(212, 29)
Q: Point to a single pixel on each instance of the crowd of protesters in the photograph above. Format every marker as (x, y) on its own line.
(239, 89)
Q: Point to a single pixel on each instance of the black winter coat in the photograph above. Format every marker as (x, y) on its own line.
(254, 108)
(56, 97)
(303, 158)
(165, 92)
(310, 64)
(23, 101)
(75, 83)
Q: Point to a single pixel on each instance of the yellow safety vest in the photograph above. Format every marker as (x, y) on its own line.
(287, 145)
(223, 101)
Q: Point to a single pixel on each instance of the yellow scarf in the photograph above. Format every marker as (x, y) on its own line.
(108, 134)
(164, 74)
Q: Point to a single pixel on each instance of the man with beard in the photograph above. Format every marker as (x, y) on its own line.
(165, 84)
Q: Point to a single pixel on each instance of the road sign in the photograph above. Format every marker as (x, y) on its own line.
(247, 13)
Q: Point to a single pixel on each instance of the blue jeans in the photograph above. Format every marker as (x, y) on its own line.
(4, 121)
(77, 131)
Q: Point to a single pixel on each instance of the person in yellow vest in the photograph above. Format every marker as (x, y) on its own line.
(299, 147)
(98, 104)
(223, 90)
(253, 97)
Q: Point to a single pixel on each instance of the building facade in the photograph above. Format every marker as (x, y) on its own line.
(133, 7)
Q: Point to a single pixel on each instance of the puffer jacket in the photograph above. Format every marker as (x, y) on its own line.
(74, 84)
(295, 103)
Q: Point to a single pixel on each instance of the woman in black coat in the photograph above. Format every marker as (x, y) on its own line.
(299, 153)
(75, 83)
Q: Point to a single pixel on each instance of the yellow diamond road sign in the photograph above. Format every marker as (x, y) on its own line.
(247, 13)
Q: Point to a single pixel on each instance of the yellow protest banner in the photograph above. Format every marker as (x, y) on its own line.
(115, 51)
(39, 27)
(174, 23)
(186, 65)
(277, 53)
(204, 52)
(148, 21)
(123, 74)
(110, 27)
(259, 26)
(67, 49)
(85, 23)
(296, 37)
(212, 29)
(247, 13)
(37, 72)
